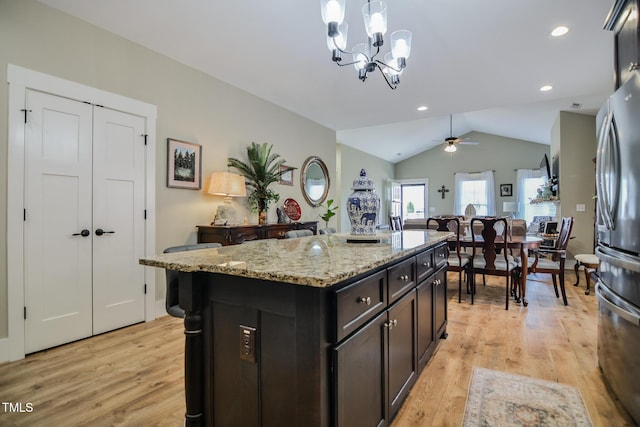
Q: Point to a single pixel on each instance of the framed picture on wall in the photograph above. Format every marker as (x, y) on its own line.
(286, 178)
(184, 164)
(506, 190)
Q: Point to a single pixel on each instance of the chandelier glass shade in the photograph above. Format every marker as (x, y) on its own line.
(364, 55)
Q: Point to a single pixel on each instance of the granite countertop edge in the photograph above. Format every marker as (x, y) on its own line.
(299, 269)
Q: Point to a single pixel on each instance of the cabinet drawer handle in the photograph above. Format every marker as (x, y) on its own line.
(633, 66)
(437, 282)
(426, 264)
(364, 300)
(405, 278)
(391, 324)
(441, 255)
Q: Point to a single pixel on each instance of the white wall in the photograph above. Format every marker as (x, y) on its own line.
(191, 107)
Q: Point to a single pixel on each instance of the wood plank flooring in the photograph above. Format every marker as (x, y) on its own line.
(134, 376)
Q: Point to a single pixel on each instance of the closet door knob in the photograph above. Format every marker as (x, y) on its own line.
(100, 232)
(83, 233)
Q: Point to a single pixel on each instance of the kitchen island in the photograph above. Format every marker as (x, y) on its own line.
(314, 331)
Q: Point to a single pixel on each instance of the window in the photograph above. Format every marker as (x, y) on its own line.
(477, 189)
(528, 181)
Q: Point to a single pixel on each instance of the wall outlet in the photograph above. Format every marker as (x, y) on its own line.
(580, 207)
(248, 344)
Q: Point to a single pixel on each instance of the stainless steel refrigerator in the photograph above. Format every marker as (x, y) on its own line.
(618, 235)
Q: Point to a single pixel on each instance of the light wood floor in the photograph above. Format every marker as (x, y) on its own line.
(134, 376)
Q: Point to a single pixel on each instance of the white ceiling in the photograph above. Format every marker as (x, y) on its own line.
(483, 61)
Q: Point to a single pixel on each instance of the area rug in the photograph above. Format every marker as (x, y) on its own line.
(502, 399)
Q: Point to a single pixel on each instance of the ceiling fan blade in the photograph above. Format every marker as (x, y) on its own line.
(463, 142)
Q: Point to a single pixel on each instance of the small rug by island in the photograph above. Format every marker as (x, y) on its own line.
(501, 399)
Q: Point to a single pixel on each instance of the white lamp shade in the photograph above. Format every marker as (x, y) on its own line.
(509, 206)
(227, 184)
(340, 38)
(375, 17)
(332, 11)
(401, 43)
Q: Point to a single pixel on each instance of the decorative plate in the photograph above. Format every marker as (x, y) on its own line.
(292, 209)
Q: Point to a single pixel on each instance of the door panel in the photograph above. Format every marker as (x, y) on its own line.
(118, 202)
(58, 205)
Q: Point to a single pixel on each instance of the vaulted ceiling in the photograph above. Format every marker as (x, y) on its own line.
(482, 61)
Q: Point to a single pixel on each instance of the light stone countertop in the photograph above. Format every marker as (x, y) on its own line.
(319, 261)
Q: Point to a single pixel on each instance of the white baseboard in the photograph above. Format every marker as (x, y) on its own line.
(161, 310)
(4, 350)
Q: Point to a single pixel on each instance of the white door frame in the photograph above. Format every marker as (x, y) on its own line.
(20, 79)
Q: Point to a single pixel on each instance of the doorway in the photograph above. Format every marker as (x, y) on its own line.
(410, 199)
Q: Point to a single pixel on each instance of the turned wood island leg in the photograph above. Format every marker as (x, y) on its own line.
(190, 296)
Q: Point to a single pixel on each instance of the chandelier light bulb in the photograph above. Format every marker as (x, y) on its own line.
(360, 57)
(401, 43)
(332, 11)
(375, 21)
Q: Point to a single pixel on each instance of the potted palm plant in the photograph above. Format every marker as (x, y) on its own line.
(262, 170)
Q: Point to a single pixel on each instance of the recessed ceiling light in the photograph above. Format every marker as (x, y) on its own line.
(559, 31)
(423, 108)
(546, 88)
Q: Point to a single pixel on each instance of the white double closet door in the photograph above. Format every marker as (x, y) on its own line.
(84, 220)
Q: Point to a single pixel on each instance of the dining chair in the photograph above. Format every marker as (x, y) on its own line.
(172, 301)
(457, 261)
(396, 223)
(490, 253)
(291, 234)
(552, 260)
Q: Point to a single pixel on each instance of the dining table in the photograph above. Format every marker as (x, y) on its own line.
(521, 243)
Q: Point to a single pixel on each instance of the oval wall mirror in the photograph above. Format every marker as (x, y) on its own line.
(314, 180)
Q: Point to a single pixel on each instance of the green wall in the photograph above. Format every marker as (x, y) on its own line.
(504, 155)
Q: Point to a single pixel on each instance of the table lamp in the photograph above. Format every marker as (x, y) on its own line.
(509, 208)
(229, 185)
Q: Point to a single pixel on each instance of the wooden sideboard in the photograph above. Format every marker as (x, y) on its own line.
(236, 234)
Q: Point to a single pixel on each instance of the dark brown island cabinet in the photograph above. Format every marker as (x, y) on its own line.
(314, 331)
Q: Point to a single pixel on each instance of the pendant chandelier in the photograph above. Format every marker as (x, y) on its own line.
(364, 54)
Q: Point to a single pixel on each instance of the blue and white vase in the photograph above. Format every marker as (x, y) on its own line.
(363, 206)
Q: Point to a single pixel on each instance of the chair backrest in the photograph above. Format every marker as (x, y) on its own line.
(172, 302)
(328, 230)
(292, 234)
(447, 224)
(563, 236)
(395, 222)
(494, 239)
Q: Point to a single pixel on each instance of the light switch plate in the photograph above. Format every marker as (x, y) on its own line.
(580, 207)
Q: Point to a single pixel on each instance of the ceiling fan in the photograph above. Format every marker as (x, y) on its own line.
(451, 142)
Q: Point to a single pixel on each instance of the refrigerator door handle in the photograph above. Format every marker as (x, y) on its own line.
(633, 318)
(600, 158)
